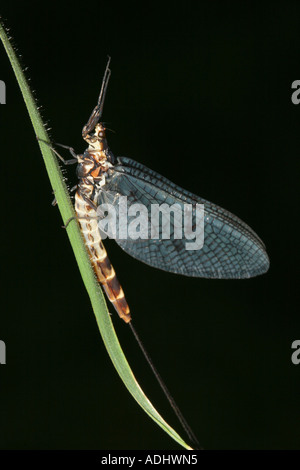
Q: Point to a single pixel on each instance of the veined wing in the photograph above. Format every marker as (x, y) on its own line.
(231, 249)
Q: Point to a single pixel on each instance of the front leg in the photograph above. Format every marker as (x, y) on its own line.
(72, 161)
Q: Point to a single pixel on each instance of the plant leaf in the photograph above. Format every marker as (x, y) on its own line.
(67, 212)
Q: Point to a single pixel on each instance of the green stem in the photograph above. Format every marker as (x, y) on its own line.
(94, 291)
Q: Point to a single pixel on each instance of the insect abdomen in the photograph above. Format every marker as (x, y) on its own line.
(103, 268)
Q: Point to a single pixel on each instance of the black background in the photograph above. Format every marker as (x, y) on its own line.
(201, 93)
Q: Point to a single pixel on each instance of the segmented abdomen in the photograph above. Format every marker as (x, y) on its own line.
(87, 218)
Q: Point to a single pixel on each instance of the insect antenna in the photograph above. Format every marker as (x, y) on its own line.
(97, 112)
(103, 90)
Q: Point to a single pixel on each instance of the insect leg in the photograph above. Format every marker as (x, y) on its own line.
(90, 203)
(54, 202)
(72, 161)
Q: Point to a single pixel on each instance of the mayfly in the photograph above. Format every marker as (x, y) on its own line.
(231, 249)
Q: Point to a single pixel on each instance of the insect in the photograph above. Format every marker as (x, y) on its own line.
(230, 249)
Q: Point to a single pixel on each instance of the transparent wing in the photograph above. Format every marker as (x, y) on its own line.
(231, 248)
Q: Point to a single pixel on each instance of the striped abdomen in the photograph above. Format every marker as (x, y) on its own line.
(105, 272)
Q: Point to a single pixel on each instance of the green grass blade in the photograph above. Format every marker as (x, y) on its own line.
(95, 293)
